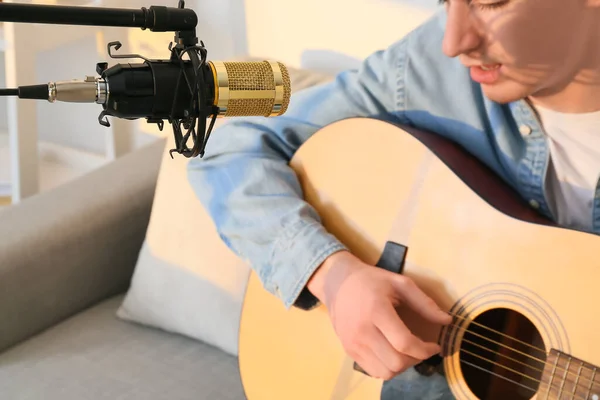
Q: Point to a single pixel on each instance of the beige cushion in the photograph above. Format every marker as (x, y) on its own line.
(186, 280)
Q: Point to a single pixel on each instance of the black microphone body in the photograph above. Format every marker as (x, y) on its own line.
(153, 90)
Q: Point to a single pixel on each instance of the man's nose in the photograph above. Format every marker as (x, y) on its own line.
(461, 35)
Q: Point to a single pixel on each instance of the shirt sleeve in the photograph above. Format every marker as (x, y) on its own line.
(245, 183)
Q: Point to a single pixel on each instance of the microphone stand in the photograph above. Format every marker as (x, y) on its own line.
(155, 18)
(178, 19)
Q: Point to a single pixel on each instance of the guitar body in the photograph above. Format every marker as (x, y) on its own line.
(484, 255)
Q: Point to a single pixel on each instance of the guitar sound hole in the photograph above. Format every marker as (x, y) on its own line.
(502, 356)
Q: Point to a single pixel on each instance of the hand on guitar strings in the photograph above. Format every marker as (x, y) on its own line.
(361, 301)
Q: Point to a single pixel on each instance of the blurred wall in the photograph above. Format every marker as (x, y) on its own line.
(302, 33)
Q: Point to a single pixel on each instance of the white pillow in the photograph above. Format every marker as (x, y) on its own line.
(186, 280)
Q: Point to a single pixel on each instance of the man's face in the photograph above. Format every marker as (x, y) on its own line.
(522, 48)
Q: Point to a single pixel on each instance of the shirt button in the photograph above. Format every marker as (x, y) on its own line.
(525, 130)
(534, 204)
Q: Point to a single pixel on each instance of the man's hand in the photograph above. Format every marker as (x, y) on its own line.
(361, 300)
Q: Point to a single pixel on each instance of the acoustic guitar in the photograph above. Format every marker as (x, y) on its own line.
(522, 291)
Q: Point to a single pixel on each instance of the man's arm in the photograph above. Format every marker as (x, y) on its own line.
(245, 183)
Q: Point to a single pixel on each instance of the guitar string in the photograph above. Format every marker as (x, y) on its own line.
(582, 379)
(502, 355)
(558, 368)
(595, 381)
(551, 386)
(504, 366)
(501, 344)
(498, 375)
(498, 332)
(500, 365)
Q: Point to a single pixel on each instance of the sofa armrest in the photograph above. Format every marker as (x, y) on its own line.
(65, 249)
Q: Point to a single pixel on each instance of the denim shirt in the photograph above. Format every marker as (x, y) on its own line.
(256, 202)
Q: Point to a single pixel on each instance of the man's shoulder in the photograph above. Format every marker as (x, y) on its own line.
(421, 65)
(425, 61)
(433, 83)
(432, 28)
(425, 40)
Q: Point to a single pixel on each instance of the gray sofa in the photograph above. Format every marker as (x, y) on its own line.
(66, 259)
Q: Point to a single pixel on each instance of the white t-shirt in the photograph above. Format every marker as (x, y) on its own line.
(574, 141)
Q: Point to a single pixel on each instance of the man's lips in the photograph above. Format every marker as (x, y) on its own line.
(485, 73)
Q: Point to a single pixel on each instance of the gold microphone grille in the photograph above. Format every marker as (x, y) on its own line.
(251, 88)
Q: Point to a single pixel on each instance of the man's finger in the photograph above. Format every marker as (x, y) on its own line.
(416, 299)
(370, 363)
(388, 355)
(399, 336)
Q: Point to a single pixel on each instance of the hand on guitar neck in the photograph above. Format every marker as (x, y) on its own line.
(361, 301)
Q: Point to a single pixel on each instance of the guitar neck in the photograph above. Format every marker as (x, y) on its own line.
(567, 377)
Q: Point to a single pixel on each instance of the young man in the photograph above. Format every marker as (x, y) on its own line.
(516, 82)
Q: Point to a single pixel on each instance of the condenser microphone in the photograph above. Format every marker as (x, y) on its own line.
(184, 93)
(149, 90)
